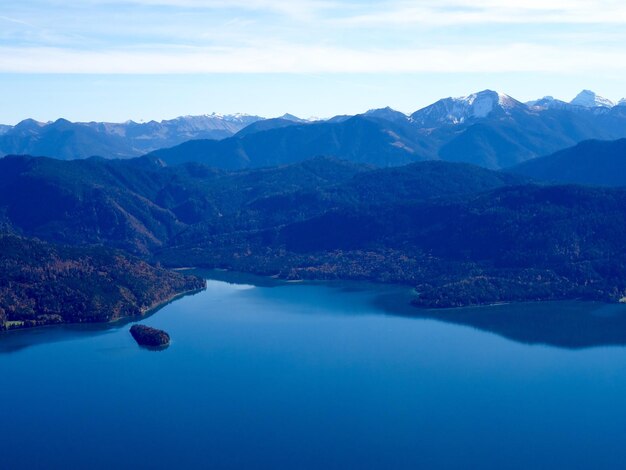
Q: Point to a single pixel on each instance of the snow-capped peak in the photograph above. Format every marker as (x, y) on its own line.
(458, 110)
(549, 102)
(237, 117)
(234, 118)
(589, 99)
(487, 96)
(622, 102)
(546, 101)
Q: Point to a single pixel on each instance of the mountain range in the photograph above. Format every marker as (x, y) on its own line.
(67, 140)
(489, 129)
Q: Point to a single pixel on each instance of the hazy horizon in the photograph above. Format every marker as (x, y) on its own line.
(274, 113)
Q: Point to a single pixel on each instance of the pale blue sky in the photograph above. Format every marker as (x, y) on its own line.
(155, 59)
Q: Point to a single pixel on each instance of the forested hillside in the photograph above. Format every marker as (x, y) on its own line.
(459, 233)
(593, 162)
(43, 284)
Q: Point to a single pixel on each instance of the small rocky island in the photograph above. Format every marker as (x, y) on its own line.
(150, 337)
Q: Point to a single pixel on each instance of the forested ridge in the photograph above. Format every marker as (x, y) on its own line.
(460, 234)
(43, 284)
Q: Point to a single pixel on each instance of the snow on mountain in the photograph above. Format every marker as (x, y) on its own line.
(459, 110)
(622, 102)
(173, 131)
(589, 99)
(239, 117)
(542, 103)
(213, 121)
(127, 139)
(549, 102)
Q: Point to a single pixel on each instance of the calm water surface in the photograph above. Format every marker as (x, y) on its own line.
(263, 375)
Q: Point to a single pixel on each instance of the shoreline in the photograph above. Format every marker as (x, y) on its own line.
(414, 292)
(159, 305)
(415, 308)
(111, 323)
(497, 303)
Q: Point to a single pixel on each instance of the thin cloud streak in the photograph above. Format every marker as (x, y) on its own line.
(299, 9)
(15, 21)
(312, 59)
(462, 12)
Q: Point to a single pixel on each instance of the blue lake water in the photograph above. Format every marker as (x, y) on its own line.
(267, 375)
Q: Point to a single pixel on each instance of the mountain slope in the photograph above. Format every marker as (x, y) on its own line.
(140, 206)
(137, 205)
(84, 201)
(468, 108)
(593, 162)
(45, 284)
(61, 139)
(415, 182)
(358, 139)
(589, 99)
(496, 131)
(266, 125)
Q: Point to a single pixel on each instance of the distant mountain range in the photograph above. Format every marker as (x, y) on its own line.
(489, 129)
(67, 140)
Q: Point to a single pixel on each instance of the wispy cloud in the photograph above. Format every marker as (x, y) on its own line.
(302, 9)
(311, 36)
(294, 58)
(15, 21)
(458, 12)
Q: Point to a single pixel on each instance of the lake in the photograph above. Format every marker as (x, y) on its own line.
(269, 375)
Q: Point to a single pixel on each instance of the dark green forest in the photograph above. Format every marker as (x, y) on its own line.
(43, 284)
(461, 234)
